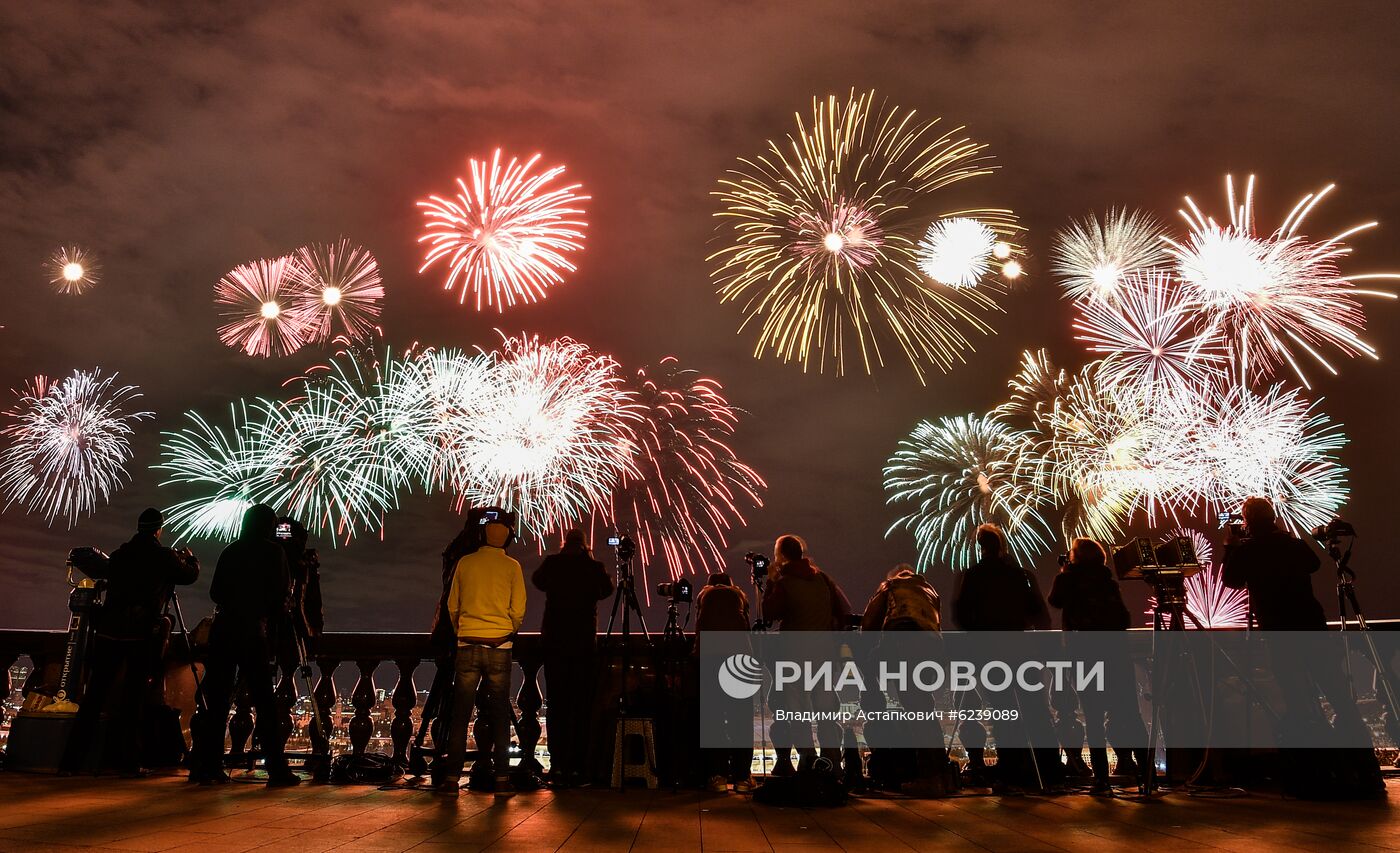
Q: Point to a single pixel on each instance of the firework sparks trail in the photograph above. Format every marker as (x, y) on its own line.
(1273, 295)
(1093, 258)
(232, 467)
(690, 488)
(1148, 336)
(824, 230)
(73, 270)
(256, 301)
(507, 235)
(959, 473)
(555, 437)
(336, 289)
(68, 442)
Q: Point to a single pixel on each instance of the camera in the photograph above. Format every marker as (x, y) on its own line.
(759, 563)
(1233, 522)
(1062, 560)
(624, 545)
(489, 516)
(679, 591)
(284, 530)
(1332, 531)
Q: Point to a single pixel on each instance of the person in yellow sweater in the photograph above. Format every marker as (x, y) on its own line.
(486, 604)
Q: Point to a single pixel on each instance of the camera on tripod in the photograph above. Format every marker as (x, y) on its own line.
(1329, 533)
(679, 591)
(1234, 523)
(626, 548)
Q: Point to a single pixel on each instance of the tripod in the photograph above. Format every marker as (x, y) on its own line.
(1346, 598)
(1169, 616)
(173, 606)
(625, 598)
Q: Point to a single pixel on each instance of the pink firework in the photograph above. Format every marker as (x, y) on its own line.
(507, 235)
(1275, 296)
(1149, 336)
(690, 488)
(257, 300)
(337, 290)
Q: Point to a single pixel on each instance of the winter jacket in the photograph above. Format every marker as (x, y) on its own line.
(1090, 598)
(721, 607)
(251, 580)
(804, 598)
(906, 600)
(997, 595)
(1277, 570)
(140, 577)
(573, 583)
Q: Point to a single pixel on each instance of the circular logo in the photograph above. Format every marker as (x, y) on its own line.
(740, 676)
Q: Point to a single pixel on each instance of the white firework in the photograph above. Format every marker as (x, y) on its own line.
(1093, 259)
(68, 444)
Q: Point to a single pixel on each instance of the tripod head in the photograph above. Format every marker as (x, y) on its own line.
(1330, 536)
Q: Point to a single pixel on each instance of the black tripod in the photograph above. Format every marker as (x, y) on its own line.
(625, 599)
(1169, 615)
(173, 606)
(1346, 598)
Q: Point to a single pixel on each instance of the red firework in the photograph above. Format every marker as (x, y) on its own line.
(507, 235)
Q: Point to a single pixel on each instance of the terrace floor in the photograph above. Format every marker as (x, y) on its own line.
(166, 814)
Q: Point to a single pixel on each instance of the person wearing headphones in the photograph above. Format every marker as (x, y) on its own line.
(486, 605)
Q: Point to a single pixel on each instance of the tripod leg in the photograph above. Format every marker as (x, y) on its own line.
(189, 647)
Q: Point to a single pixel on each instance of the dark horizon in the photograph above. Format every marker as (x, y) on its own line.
(177, 144)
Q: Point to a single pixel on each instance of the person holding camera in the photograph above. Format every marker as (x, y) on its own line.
(141, 577)
(722, 606)
(573, 583)
(251, 592)
(801, 597)
(1088, 595)
(1277, 568)
(485, 605)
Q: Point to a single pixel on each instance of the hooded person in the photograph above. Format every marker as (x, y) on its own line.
(141, 577)
(573, 583)
(251, 591)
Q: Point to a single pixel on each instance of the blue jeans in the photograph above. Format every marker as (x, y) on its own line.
(480, 666)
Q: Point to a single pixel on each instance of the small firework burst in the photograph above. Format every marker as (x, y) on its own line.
(959, 251)
(1273, 295)
(68, 444)
(257, 302)
(823, 240)
(509, 233)
(1149, 336)
(962, 472)
(73, 270)
(1093, 258)
(336, 289)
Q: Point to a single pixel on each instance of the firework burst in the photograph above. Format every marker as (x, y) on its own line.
(68, 444)
(824, 228)
(1093, 258)
(231, 468)
(962, 472)
(73, 270)
(554, 438)
(257, 302)
(507, 235)
(1273, 295)
(336, 289)
(690, 488)
(1149, 335)
(959, 251)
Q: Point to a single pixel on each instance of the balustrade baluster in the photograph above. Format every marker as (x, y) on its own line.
(405, 698)
(362, 697)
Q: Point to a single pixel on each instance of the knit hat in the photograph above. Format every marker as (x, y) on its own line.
(150, 521)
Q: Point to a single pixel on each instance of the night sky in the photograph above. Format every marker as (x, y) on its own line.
(177, 143)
